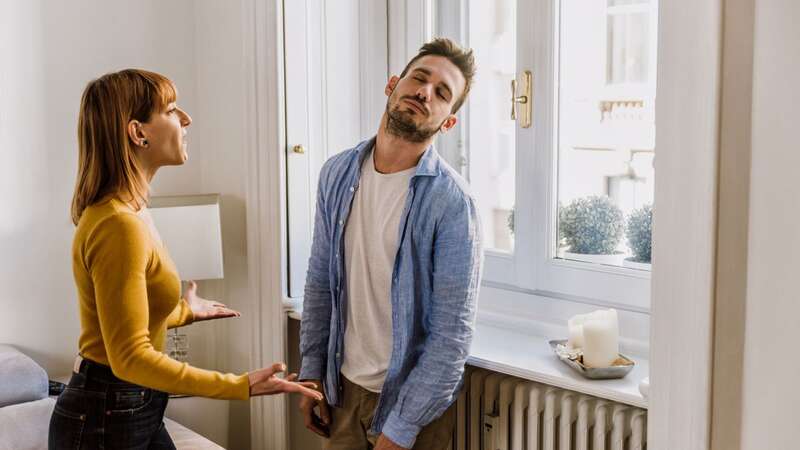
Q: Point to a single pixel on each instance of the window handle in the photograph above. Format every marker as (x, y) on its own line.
(525, 100)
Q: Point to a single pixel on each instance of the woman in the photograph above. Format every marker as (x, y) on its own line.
(128, 289)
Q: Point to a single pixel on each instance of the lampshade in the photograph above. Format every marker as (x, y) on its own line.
(189, 225)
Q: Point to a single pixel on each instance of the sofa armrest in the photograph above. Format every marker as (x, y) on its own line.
(22, 379)
(186, 439)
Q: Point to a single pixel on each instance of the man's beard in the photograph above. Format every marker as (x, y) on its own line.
(401, 124)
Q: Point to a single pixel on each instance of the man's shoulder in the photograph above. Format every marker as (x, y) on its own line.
(450, 183)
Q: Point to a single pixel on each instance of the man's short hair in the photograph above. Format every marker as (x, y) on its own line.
(460, 57)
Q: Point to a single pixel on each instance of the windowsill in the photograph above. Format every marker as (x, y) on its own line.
(530, 357)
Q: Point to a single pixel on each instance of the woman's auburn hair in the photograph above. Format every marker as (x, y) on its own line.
(107, 164)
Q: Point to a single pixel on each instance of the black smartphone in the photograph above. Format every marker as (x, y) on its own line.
(319, 424)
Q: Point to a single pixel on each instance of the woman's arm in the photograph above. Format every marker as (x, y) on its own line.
(117, 257)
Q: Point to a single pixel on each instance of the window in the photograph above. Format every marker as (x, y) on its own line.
(628, 52)
(492, 169)
(565, 203)
(605, 132)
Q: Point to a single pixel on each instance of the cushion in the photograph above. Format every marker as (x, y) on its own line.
(21, 379)
(25, 426)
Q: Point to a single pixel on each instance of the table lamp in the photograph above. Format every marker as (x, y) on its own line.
(189, 226)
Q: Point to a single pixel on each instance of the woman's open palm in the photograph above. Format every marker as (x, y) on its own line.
(266, 382)
(203, 309)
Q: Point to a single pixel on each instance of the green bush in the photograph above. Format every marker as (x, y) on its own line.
(591, 225)
(640, 233)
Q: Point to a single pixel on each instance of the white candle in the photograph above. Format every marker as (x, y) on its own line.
(575, 325)
(601, 339)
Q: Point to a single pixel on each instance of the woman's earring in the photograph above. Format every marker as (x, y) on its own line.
(144, 142)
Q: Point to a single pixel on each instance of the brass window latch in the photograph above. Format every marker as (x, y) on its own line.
(525, 100)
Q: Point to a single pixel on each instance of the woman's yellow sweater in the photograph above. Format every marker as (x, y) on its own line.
(129, 294)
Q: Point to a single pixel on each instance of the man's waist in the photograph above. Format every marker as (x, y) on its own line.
(365, 376)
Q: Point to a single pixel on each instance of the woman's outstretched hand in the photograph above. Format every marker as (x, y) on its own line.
(203, 309)
(266, 382)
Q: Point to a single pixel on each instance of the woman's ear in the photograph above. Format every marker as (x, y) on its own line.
(136, 134)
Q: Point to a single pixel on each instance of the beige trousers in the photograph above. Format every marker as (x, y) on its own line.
(350, 424)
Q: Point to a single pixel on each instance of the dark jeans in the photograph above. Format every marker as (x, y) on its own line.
(99, 411)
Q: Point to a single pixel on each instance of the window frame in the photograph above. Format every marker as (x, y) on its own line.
(532, 265)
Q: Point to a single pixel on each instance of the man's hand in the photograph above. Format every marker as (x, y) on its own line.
(385, 443)
(203, 309)
(318, 423)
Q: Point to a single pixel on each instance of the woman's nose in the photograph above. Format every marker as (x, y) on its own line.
(186, 119)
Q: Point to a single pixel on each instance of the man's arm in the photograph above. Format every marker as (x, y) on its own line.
(430, 387)
(317, 301)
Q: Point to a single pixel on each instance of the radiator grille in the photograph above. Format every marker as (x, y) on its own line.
(501, 412)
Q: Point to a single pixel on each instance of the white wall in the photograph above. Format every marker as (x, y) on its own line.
(49, 50)
(771, 365)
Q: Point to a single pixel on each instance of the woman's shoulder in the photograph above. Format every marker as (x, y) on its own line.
(107, 233)
(111, 219)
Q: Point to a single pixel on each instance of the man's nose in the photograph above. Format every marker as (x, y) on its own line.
(424, 94)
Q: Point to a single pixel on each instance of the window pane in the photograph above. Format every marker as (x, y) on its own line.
(490, 132)
(627, 48)
(605, 133)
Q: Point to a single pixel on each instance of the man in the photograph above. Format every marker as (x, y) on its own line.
(390, 297)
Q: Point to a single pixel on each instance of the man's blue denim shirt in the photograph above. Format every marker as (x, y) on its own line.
(434, 292)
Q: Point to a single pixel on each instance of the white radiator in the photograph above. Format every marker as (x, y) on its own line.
(501, 412)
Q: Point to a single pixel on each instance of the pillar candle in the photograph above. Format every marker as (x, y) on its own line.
(575, 325)
(601, 339)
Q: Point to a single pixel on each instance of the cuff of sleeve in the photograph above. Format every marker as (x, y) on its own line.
(180, 316)
(312, 368)
(243, 387)
(400, 431)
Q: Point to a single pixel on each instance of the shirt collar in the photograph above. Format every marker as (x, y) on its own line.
(428, 165)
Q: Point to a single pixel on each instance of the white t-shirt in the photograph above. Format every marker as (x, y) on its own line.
(370, 250)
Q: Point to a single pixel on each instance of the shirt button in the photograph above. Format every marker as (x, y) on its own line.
(341, 222)
(338, 355)
(352, 188)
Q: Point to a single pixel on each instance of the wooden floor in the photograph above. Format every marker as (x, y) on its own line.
(186, 439)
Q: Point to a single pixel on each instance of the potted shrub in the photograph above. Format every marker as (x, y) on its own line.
(592, 227)
(639, 234)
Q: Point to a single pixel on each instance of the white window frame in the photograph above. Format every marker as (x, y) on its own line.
(541, 274)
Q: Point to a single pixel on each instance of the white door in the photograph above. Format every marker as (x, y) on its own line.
(335, 70)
